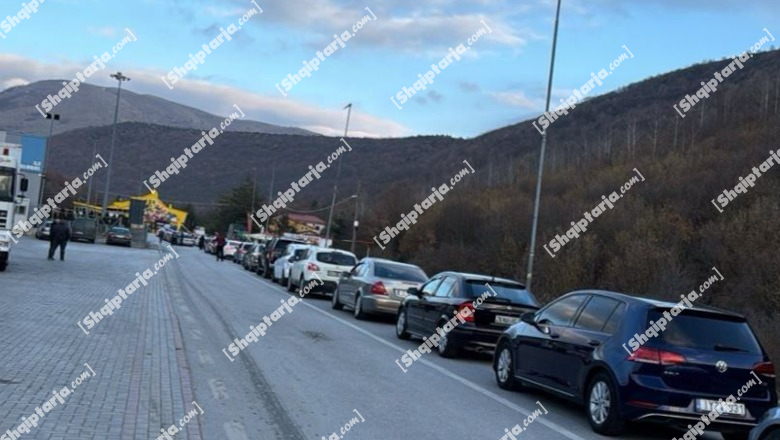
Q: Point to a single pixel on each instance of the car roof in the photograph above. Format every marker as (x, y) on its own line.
(321, 249)
(385, 260)
(479, 277)
(655, 303)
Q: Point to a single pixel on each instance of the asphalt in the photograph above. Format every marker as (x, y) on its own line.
(314, 370)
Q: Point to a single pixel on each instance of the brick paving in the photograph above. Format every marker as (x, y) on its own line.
(142, 381)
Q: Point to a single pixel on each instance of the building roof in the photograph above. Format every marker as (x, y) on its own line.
(305, 218)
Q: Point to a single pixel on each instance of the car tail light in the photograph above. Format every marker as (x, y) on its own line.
(654, 356)
(311, 267)
(765, 368)
(378, 288)
(464, 306)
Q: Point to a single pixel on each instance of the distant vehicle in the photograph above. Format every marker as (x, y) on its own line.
(238, 257)
(574, 348)
(188, 240)
(231, 246)
(43, 232)
(252, 258)
(274, 250)
(502, 303)
(283, 264)
(118, 235)
(13, 205)
(768, 427)
(83, 229)
(376, 286)
(210, 246)
(320, 264)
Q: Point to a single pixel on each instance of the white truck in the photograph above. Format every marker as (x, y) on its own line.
(13, 203)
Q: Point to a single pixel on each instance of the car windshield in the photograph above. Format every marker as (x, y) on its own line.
(707, 331)
(282, 244)
(6, 186)
(247, 246)
(120, 230)
(400, 272)
(336, 258)
(512, 292)
(233, 243)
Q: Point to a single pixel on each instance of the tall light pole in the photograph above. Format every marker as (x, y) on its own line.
(254, 187)
(336, 182)
(89, 185)
(53, 117)
(271, 188)
(532, 246)
(355, 222)
(120, 78)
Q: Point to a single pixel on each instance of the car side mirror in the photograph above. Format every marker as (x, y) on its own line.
(529, 318)
(345, 274)
(413, 291)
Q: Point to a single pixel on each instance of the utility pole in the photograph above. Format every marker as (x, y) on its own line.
(336, 182)
(89, 185)
(271, 188)
(254, 186)
(120, 78)
(534, 223)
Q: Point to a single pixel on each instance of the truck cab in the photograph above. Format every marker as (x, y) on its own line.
(13, 203)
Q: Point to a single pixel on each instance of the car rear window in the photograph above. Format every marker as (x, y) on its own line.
(336, 258)
(513, 292)
(247, 246)
(707, 331)
(281, 244)
(120, 230)
(400, 272)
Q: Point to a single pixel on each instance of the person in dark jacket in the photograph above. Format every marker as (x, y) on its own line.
(202, 242)
(220, 246)
(59, 236)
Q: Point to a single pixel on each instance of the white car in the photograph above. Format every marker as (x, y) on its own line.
(320, 269)
(230, 248)
(284, 263)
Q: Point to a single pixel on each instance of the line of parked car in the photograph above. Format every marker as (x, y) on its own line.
(572, 347)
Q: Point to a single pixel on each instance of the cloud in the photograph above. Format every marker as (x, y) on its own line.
(516, 99)
(13, 82)
(435, 96)
(468, 87)
(106, 31)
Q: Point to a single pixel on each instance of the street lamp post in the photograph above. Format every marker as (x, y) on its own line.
(271, 188)
(355, 222)
(336, 182)
(120, 78)
(534, 223)
(89, 185)
(53, 117)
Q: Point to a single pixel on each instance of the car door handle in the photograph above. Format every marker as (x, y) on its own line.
(594, 343)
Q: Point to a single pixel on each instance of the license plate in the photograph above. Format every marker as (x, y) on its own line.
(401, 293)
(500, 319)
(706, 405)
(332, 273)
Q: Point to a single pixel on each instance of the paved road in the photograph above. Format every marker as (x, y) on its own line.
(162, 350)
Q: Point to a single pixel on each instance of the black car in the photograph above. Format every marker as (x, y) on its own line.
(577, 347)
(274, 250)
(118, 235)
(495, 304)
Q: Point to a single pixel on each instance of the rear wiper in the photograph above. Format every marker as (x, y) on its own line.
(722, 347)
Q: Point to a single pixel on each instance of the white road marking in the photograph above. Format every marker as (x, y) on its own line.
(235, 431)
(218, 389)
(489, 394)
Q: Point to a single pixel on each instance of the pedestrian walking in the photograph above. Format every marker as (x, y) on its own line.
(202, 242)
(59, 236)
(220, 246)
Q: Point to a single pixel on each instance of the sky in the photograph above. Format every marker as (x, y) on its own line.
(500, 79)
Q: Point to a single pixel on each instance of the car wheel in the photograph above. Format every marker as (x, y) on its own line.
(3, 266)
(300, 287)
(601, 406)
(400, 326)
(745, 435)
(771, 435)
(334, 301)
(283, 280)
(358, 308)
(289, 285)
(266, 272)
(446, 347)
(504, 368)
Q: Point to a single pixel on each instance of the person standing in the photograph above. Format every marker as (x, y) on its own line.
(220, 246)
(59, 236)
(202, 242)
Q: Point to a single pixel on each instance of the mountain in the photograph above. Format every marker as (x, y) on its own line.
(93, 106)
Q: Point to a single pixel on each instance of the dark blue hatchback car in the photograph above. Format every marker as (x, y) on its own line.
(592, 347)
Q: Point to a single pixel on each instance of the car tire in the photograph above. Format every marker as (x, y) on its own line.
(503, 365)
(266, 272)
(358, 308)
(401, 325)
(300, 287)
(446, 348)
(601, 406)
(335, 304)
(771, 435)
(290, 287)
(283, 280)
(3, 266)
